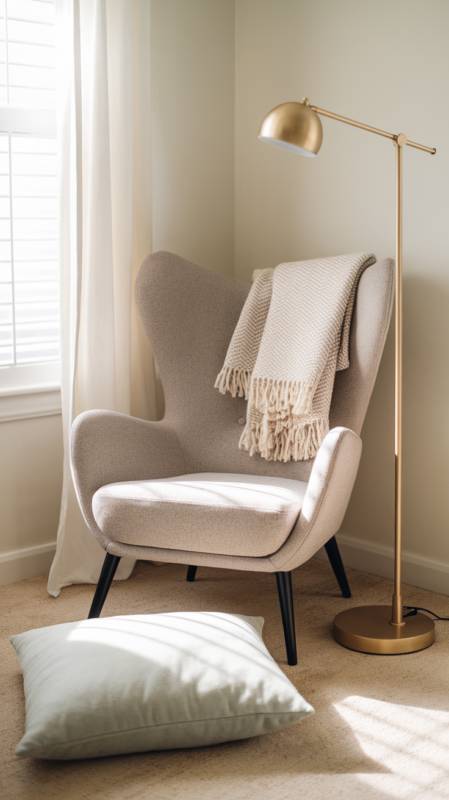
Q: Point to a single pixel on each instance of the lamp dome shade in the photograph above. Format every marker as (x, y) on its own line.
(293, 126)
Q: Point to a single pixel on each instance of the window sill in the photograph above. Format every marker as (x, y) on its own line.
(30, 401)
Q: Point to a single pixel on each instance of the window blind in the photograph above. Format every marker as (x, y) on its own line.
(29, 315)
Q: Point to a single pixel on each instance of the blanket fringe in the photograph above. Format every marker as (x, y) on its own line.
(234, 380)
(283, 397)
(280, 439)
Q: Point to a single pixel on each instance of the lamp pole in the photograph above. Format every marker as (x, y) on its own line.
(396, 611)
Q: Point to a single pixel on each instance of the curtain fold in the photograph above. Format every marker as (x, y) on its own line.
(105, 233)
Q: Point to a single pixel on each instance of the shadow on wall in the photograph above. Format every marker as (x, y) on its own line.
(425, 432)
(426, 403)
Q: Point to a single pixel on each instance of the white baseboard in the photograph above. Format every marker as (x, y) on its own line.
(378, 559)
(26, 563)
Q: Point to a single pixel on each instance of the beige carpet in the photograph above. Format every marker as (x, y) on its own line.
(381, 727)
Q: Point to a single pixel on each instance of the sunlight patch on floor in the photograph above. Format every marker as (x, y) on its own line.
(411, 743)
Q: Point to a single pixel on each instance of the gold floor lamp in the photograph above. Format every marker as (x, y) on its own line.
(368, 629)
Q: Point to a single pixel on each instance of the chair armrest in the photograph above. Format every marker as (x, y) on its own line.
(107, 447)
(328, 491)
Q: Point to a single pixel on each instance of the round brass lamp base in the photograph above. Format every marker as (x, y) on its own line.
(368, 629)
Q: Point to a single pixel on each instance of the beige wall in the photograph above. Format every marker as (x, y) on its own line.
(385, 63)
(30, 494)
(193, 130)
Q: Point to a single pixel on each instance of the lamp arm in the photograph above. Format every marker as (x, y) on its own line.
(330, 114)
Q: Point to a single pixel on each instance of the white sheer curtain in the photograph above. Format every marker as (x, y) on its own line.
(105, 233)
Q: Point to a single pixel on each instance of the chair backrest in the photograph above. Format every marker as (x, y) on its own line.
(189, 314)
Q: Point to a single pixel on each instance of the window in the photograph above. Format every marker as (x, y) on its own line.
(29, 296)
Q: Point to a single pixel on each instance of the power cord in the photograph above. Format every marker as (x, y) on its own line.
(414, 610)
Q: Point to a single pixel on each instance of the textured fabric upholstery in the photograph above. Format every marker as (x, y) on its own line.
(327, 497)
(189, 314)
(323, 508)
(109, 447)
(237, 515)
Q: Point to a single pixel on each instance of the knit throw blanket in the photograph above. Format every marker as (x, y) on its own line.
(291, 338)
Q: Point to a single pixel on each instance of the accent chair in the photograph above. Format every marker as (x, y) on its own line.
(180, 490)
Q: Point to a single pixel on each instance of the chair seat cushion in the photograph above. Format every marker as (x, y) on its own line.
(241, 515)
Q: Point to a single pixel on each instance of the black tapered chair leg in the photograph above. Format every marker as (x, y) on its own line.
(191, 572)
(108, 571)
(337, 565)
(284, 583)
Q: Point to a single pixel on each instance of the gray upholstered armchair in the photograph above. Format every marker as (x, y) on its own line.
(180, 490)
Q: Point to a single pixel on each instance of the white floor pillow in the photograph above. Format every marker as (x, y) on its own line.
(150, 682)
